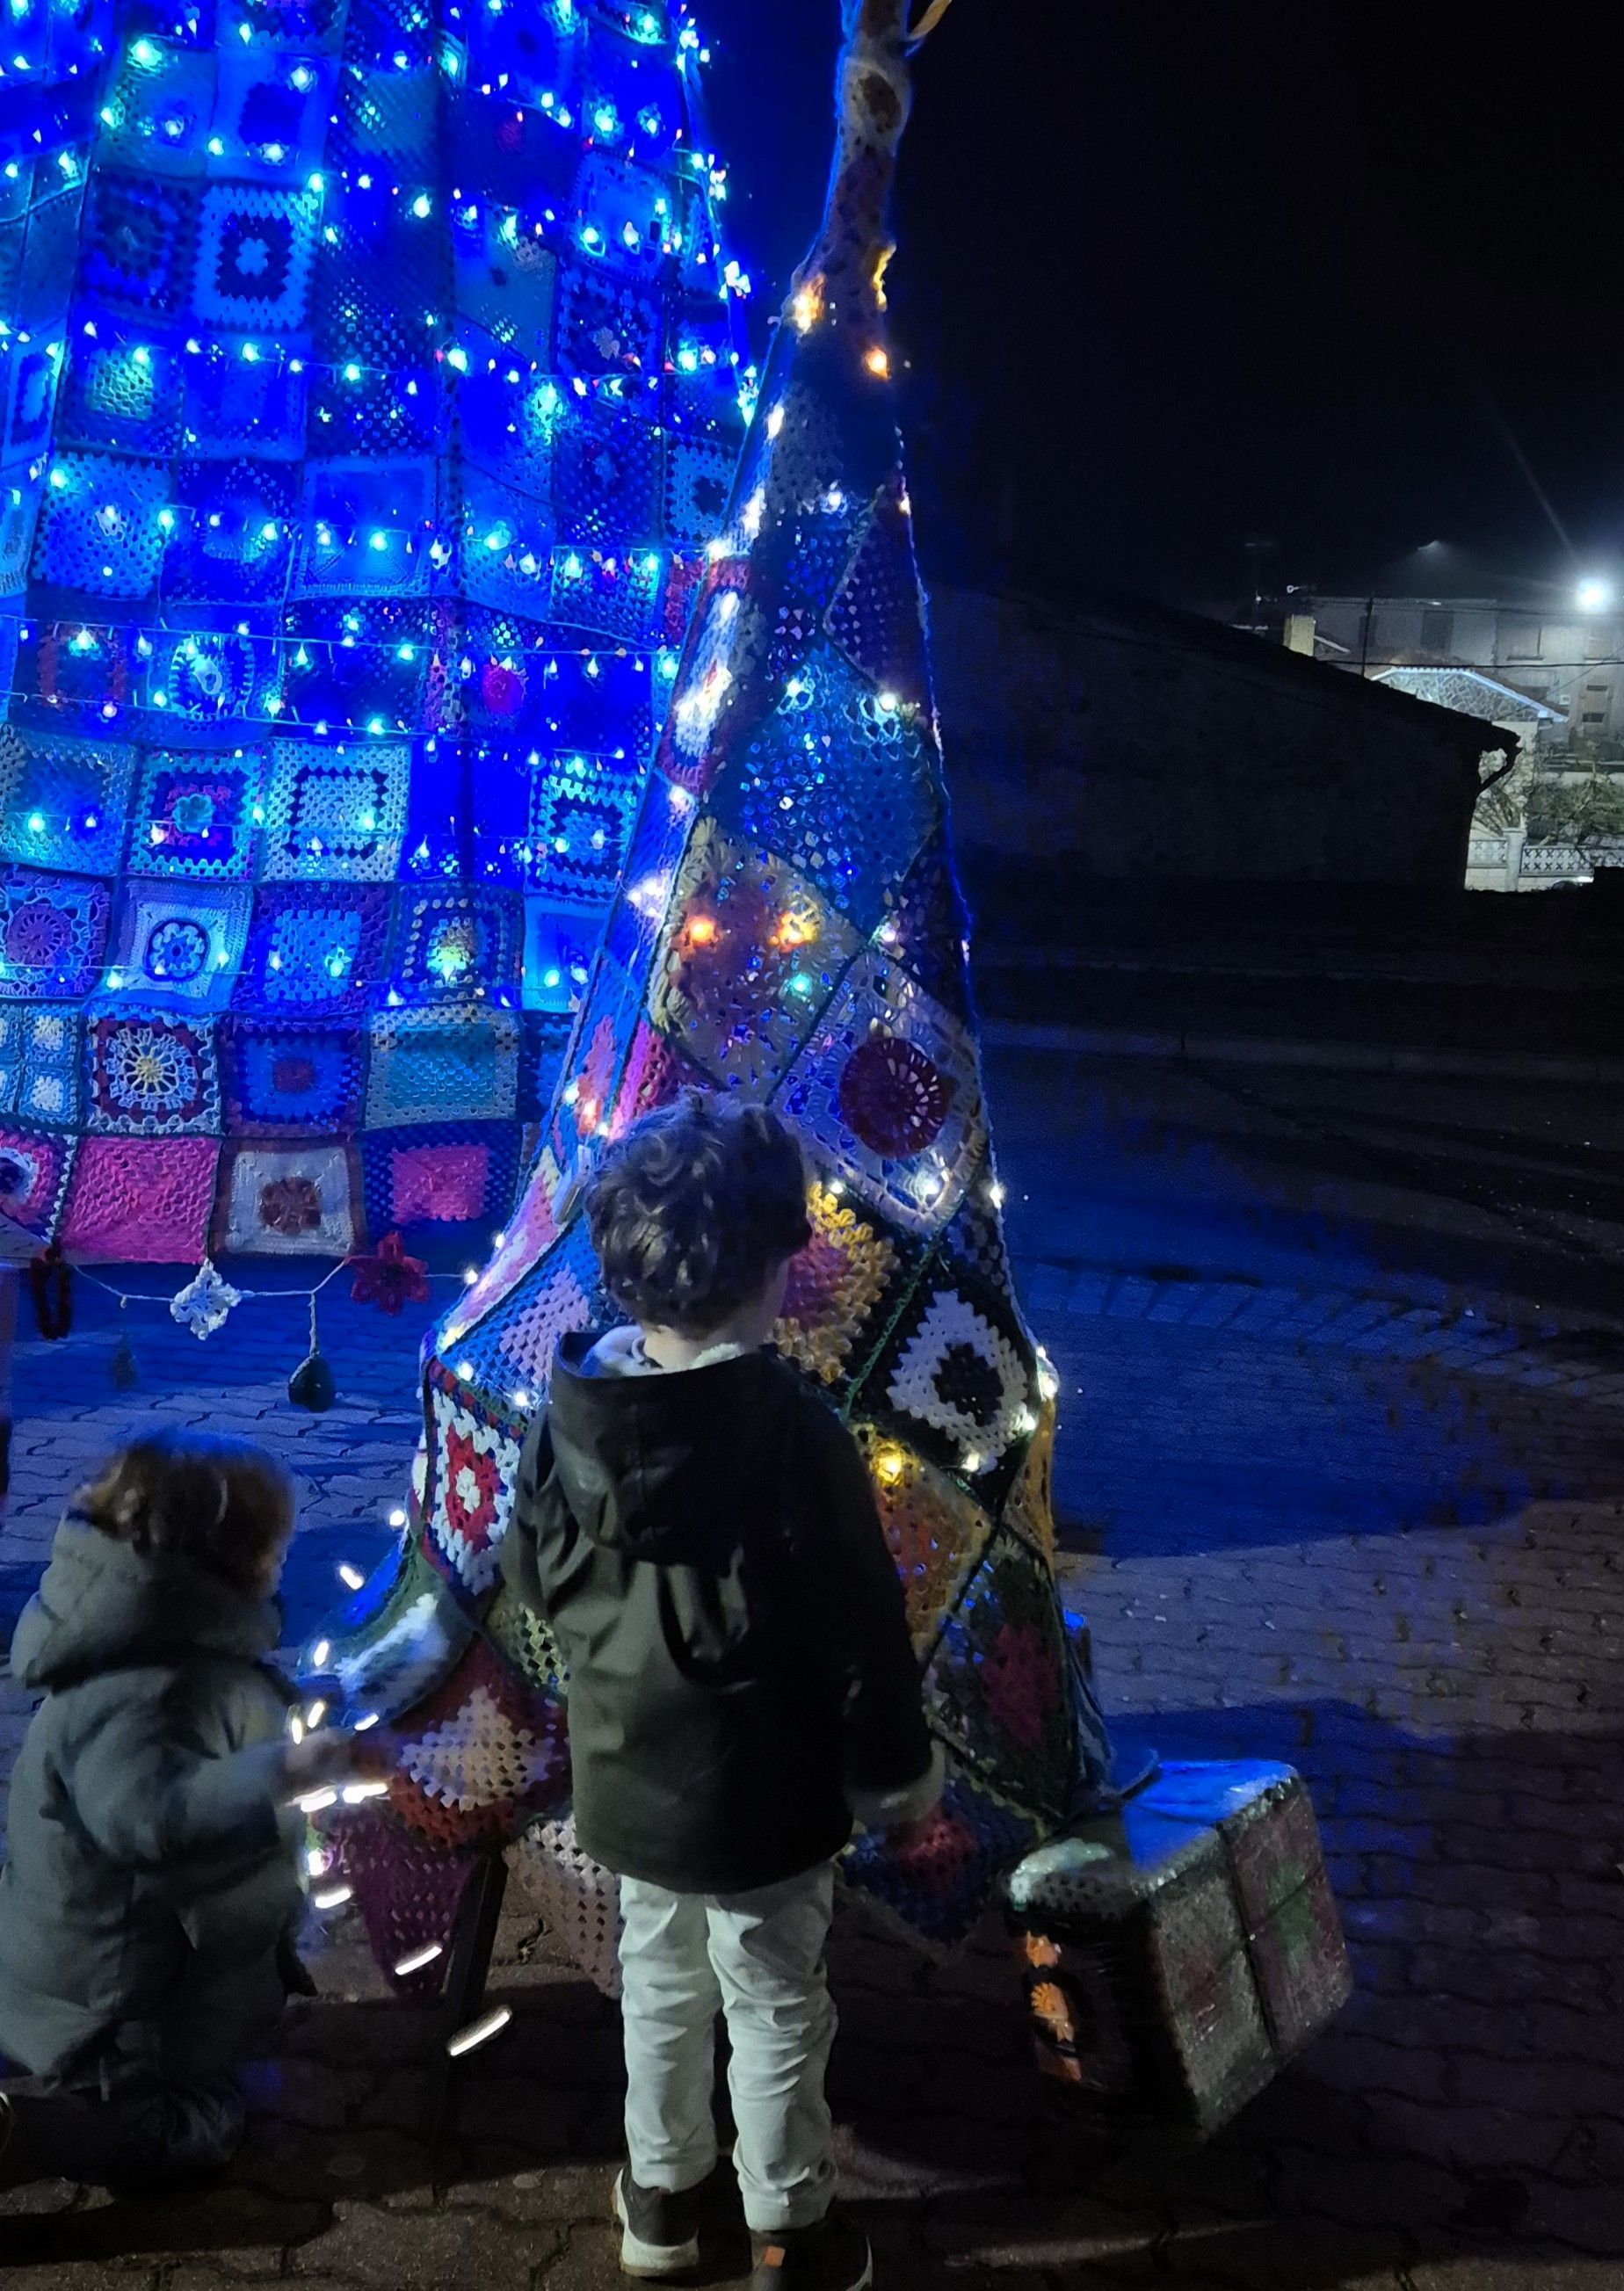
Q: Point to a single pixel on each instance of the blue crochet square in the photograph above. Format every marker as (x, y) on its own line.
(139, 238)
(451, 942)
(365, 527)
(62, 799)
(314, 948)
(123, 389)
(291, 1078)
(231, 538)
(236, 405)
(581, 814)
(40, 1047)
(193, 813)
(53, 933)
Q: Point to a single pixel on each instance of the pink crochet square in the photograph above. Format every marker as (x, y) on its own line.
(142, 1200)
(439, 1185)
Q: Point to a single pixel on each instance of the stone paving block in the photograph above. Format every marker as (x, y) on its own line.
(421, 2251)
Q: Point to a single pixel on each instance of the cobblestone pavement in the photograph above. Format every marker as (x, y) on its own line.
(1344, 1475)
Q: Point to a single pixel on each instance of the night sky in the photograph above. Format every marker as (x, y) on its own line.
(1173, 278)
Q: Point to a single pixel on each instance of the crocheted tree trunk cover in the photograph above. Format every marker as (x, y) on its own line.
(371, 392)
(789, 928)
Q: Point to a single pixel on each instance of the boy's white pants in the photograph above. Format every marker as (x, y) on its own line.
(758, 1958)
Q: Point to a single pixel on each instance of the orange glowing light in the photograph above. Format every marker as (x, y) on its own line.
(702, 930)
(878, 363)
(889, 1465)
(793, 930)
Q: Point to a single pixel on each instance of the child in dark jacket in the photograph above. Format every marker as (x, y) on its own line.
(154, 1884)
(699, 1529)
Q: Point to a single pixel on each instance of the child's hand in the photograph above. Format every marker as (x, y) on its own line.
(332, 1757)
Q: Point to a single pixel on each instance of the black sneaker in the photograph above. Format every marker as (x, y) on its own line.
(834, 2255)
(660, 2233)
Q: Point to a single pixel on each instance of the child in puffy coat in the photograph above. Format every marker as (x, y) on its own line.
(153, 1887)
(700, 1529)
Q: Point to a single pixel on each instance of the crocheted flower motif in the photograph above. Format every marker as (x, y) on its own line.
(177, 950)
(289, 1205)
(206, 1302)
(37, 933)
(453, 950)
(1021, 1683)
(389, 1278)
(893, 1098)
(150, 1071)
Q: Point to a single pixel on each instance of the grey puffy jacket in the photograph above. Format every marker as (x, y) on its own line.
(151, 1884)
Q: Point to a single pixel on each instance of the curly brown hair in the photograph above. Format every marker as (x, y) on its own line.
(223, 1503)
(694, 1210)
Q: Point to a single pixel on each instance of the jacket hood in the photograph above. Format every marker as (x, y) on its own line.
(661, 1467)
(101, 1605)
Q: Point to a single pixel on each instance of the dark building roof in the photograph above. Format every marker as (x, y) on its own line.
(1139, 620)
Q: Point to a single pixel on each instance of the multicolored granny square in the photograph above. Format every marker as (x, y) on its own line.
(855, 826)
(179, 942)
(192, 813)
(451, 943)
(291, 1080)
(939, 1881)
(889, 1089)
(152, 1075)
(954, 1375)
(53, 933)
(999, 1685)
(843, 1287)
(335, 814)
(282, 1200)
(473, 1476)
(749, 956)
(937, 1533)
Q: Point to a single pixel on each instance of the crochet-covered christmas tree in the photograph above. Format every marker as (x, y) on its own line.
(788, 929)
(371, 391)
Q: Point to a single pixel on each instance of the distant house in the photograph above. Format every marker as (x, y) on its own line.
(1472, 693)
(1122, 740)
(1545, 659)
(1556, 645)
